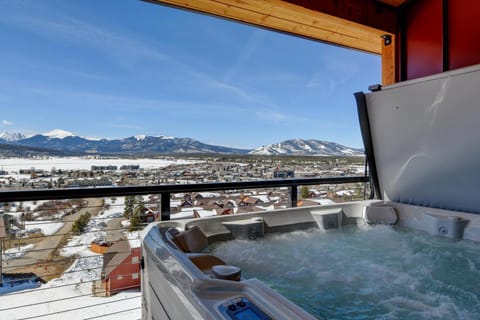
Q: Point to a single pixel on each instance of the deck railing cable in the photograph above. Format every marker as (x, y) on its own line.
(78, 308)
(66, 298)
(72, 271)
(43, 262)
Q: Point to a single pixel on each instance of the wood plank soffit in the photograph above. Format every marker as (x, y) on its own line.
(290, 18)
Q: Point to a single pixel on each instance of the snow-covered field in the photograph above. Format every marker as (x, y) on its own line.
(94, 230)
(70, 296)
(48, 228)
(83, 163)
(18, 252)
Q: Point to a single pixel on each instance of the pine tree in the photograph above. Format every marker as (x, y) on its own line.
(305, 192)
(81, 223)
(136, 218)
(129, 202)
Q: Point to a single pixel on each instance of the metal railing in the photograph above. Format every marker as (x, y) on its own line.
(166, 190)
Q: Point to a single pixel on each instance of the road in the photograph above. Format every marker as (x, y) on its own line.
(114, 229)
(37, 260)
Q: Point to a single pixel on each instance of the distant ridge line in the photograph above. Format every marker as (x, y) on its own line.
(63, 142)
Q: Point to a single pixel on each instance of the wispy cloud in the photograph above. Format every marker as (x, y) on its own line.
(332, 75)
(256, 38)
(126, 49)
(120, 46)
(119, 103)
(230, 88)
(7, 123)
(321, 80)
(271, 116)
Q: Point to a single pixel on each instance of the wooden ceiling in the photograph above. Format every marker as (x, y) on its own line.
(358, 24)
(287, 16)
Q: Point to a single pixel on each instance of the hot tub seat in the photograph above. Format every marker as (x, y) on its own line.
(192, 241)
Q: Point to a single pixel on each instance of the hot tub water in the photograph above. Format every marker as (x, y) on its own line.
(377, 272)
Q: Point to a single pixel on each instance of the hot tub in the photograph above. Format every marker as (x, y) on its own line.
(320, 262)
(365, 272)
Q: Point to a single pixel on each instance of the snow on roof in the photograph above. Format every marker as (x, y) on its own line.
(201, 212)
(179, 195)
(206, 213)
(209, 194)
(263, 197)
(182, 215)
(345, 192)
(323, 201)
(134, 239)
(175, 203)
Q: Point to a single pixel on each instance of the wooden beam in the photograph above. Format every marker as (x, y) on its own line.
(388, 61)
(290, 18)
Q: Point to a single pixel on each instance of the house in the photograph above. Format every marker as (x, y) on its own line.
(249, 201)
(186, 204)
(230, 204)
(3, 228)
(209, 204)
(121, 268)
(223, 211)
(306, 203)
(283, 174)
(103, 168)
(150, 215)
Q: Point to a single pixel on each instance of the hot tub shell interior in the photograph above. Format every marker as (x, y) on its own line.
(180, 290)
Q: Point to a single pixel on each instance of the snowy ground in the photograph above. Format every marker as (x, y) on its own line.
(83, 163)
(18, 252)
(95, 228)
(70, 296)
(47, 227)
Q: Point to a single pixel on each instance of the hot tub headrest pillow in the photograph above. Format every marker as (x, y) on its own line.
(380, 215)
(191, 240)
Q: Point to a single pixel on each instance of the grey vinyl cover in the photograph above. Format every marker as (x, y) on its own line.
(426, 137)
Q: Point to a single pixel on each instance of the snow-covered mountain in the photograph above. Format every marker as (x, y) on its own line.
(58, 134)
(140, 144)
(12, 136)
(309, 147)
(64, 141)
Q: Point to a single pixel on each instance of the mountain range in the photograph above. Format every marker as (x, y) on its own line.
(66, 142)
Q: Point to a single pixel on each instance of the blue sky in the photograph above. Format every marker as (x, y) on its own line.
(120, 68)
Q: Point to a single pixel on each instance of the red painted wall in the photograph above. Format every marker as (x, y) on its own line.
(464, 33)
(125, 269)
(368, 12)
(423, 34)
(423, 40)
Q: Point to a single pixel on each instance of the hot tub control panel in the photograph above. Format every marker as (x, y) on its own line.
(242, 309)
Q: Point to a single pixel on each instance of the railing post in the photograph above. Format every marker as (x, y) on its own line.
(1, 255)
(293, 196)
(165, 206)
